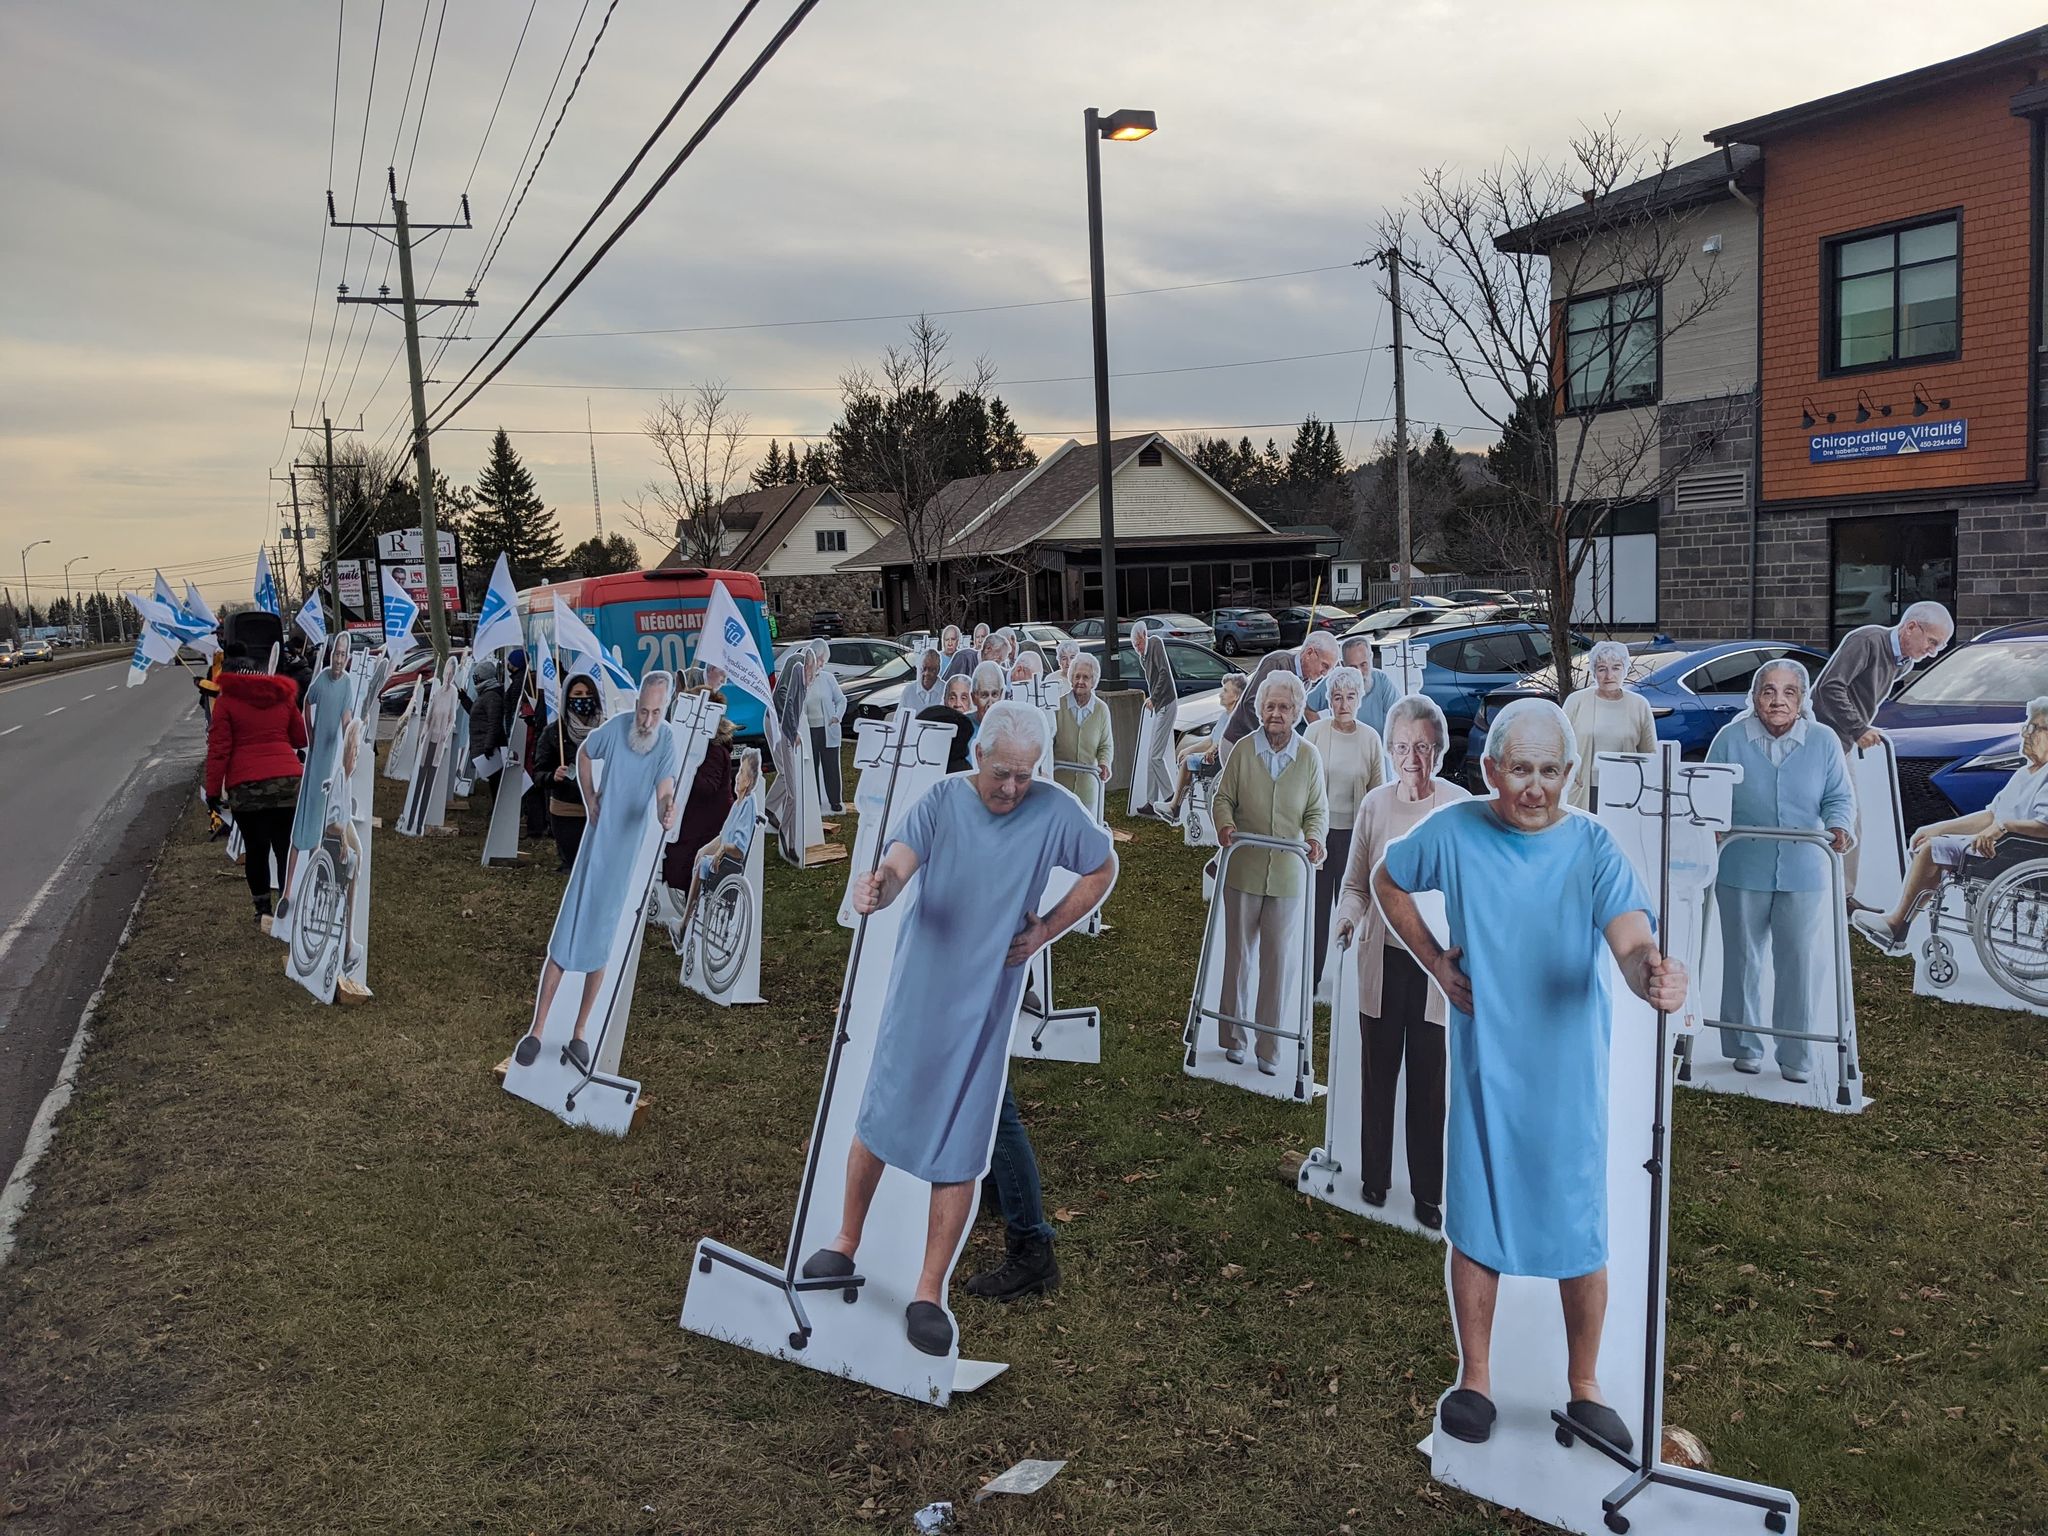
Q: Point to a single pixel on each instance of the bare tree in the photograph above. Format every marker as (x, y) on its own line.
(701, 442)
(1493, 266)
(900, 435)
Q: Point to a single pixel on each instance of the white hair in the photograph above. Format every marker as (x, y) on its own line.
(1323, 643)
(1344, 677)
(1352, 643)
(988, 675)
(1519, 717)
(2037, 710)
(950, 629)
(929, 654)
(1082, 659)
(1605, 650)
(1929, 614)
(1422, 708)
(1282, 680)
(1011, 723)
(1033, 663)
(1067, 653)
(1799, 674)
(820, 652)
(748, 758)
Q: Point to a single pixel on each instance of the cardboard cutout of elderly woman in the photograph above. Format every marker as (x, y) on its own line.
(1152, 765)
(719, 928)
(640, 761)
(935, 1081)
(1780, 906)
(1537, 899)
(1353, 767)
(1977, 888)
(1081, 734)
(792, 799)
(1606, 716)
(1272, 813)
(824, 709)
(328, 706)
(426, 796)
(1385, 1119)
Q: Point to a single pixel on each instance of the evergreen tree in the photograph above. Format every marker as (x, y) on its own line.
(792, 473)
(769, 471)
(603, 557)
(817, 466)
(511, 519)
(1007, 449)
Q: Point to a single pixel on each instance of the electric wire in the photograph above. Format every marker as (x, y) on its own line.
(354, 197)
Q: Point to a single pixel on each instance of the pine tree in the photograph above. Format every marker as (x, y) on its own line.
(511, 519)
(1006, 446)
(769, 471)
(791, 474)
(817, 469)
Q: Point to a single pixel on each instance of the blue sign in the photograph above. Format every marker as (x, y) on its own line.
(1888, 442)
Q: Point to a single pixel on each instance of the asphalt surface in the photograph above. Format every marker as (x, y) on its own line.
(92, 775)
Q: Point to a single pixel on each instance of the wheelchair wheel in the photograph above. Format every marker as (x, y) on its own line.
(724, 932)
(2009, 926)
(318, 920)
(1941, 962)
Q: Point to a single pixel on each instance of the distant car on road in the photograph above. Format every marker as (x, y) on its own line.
(1244, 629)
(1296, 622)
(8, 654)
(1955, 727)
(36, 650)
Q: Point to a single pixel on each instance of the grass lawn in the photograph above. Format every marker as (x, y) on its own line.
(291, 1268)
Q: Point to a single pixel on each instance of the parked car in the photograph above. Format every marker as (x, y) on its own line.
(890, 678)
(414, 665)
(1196, 668)
(1693, 689)
(1244, 629)
(851, 655)
(1465, 597)
(827, 622)
(1091, 629)
(1181, 626)
(1529, 598)
(1296, 622)
(1955, 726)
(1047, 637)
(1415, 600)
(1393, 623)
(36, 650)
(1463, 664)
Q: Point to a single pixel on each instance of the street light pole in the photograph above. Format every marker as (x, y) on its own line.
(25, 604)
(1125, 124)
(99, 616)
(70, 597)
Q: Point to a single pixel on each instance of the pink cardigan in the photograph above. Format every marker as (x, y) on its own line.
(1382, 817)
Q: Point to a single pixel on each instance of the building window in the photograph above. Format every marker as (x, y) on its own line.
(831, 541)
(1893, 296)
(1610, 349)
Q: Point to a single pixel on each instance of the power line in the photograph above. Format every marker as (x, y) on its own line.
(1083, 433)
(319, 266)
(972, 309)
(355, 195)
(717, 115)
(425, 91)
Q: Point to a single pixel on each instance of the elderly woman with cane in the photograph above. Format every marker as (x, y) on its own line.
(1272, 786)
(1606, 716)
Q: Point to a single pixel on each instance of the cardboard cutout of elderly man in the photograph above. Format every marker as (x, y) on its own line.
(928, 687)
(329, 708)
(1533, 893)
(1317, 654)
(1152, 767)
(941, 1050)
(639, 755)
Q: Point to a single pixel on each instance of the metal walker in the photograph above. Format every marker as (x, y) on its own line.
(1304, 1037)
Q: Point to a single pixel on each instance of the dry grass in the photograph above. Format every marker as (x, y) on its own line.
(299, 1269)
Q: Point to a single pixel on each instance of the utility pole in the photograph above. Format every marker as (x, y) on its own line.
(291, 477)
(404, 233)
(1391, 260)
(326, 468)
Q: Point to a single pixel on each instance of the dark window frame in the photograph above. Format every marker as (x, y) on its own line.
(830, 541)
(1830, 295)
(1655, 288)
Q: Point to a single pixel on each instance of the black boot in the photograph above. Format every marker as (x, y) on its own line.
(1028, 1268)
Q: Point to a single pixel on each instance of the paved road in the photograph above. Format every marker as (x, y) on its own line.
(92, 774)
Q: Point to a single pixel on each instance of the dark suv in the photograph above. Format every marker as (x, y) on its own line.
(826, 623)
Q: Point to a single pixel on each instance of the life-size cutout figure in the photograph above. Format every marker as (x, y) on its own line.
(327, 704)
(639, 754)
(1082, 734)
(727, 852)
(942, 1048)
(1532, 892)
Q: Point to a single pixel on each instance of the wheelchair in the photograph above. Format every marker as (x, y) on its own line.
(2003, 901)
(320, 924)
(722, 924)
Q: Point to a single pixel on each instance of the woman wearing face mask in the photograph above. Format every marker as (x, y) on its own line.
(958, 712)
(1607, 717)
(555, 765)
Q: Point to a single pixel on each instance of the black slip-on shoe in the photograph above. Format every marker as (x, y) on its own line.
(1602, 1421)
(1431, 1216)
(529, 1048)
(1374, 1197)
(1467, 1415)
(928, 1328)
(828, 1264)
(578, 1052)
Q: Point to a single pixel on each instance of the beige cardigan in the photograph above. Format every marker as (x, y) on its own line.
(1088, 741)
(1383, 816)
(1587, 711)
(1249, 799)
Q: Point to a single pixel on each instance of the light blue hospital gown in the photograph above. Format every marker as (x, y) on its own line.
(1525, 1154)
(738, 831)
(943, 1046)
(327, 700)
(604, 879)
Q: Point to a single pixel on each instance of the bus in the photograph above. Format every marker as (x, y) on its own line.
(652, 618)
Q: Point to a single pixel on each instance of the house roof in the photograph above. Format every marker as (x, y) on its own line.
(2027, 47)
(1000, 514)
(1672, 190)
(764, 519)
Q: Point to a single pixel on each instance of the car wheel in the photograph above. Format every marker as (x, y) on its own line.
(1227, 645)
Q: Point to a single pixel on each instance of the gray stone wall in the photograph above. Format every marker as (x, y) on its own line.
(795, 598)
(1703, 556)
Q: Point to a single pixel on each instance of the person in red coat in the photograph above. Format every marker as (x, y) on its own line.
(252, 755)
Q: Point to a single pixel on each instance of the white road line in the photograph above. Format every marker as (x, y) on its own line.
(10, 730)
(57, 711)
(89, 696)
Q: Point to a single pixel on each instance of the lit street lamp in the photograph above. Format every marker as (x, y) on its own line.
(1123, 125)
(71, 597)
(23, 614)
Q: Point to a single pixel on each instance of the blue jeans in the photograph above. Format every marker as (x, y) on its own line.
(1014, 1168)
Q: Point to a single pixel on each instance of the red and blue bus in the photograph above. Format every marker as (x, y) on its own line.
(653, 619)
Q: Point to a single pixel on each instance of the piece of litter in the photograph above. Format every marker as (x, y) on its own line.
(933, 1518)
(1027, 1476)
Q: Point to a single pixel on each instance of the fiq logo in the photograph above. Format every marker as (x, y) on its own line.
(735, 632)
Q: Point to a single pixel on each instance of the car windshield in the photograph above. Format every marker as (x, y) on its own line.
(2004, 672)
(1639, 667)
(889, 671)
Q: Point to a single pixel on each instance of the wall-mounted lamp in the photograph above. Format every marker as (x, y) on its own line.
(1807, 411)
(1923, 402)
(1865, 406)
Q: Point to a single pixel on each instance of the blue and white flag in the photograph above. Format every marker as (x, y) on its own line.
(312, 618)
(165, 627)
(580, 650)
(728, 644)
(193, 609)
(165, 595)
(497, 622)
(196, 605)
(400, 614)
(266, 589)
(545, 669)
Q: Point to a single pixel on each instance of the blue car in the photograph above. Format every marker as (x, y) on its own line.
(1955, 725)
(1463, 664)
(1693, 689)
(1239, 630)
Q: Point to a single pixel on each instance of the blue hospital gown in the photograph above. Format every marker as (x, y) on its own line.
(943, 1046)
(1525, 1125)
(604, 879)
(327, 699)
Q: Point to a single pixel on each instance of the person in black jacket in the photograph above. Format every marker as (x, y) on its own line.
(956, 712)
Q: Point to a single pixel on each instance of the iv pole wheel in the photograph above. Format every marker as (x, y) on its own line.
(797, 1341)
(1616, 1521)
(1564, 1436)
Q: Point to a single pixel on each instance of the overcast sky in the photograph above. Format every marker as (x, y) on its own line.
(162, 170)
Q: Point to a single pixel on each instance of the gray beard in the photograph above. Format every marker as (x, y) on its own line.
(641, 741)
